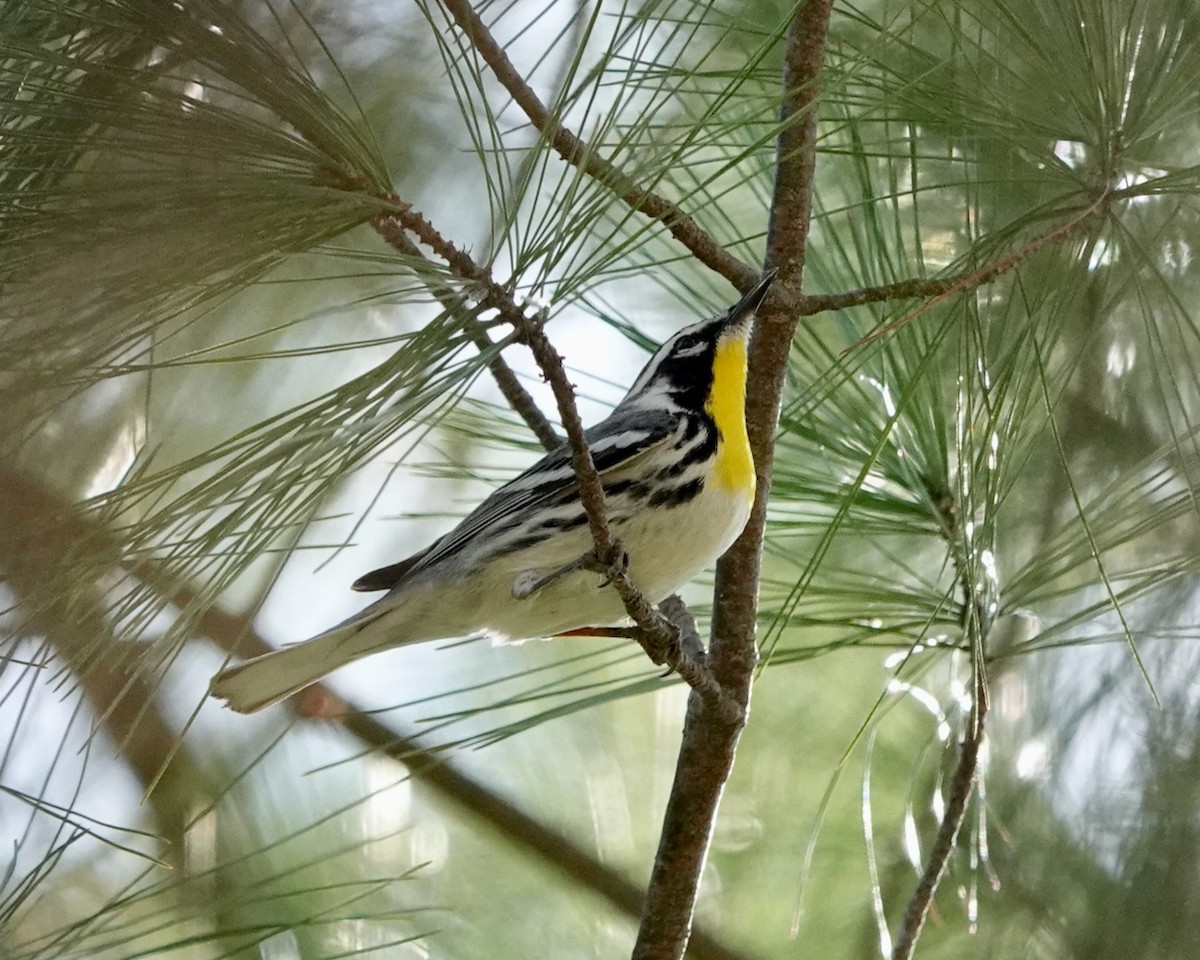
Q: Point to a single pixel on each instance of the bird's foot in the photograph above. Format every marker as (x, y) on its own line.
(616, 566)
(529, 582)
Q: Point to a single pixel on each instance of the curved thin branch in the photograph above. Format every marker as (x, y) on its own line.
(938, 291)
(961, 785)
(976, 622)
(580, 154)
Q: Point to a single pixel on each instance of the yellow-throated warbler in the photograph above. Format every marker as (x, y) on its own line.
(678, 480)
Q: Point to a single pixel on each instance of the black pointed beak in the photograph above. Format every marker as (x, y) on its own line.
(744, 308)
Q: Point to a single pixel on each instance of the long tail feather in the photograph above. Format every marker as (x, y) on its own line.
(269, 678)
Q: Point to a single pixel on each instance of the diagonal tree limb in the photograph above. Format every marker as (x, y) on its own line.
(517, 396)
(580, 154)
(40, 523)
(438, 772)
(37, 530)
(709, 739)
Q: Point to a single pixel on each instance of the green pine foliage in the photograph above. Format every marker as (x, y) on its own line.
(220, 386)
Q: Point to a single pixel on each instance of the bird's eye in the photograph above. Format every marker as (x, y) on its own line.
(689, 349)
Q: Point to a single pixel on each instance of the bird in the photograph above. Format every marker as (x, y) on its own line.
(675, 463)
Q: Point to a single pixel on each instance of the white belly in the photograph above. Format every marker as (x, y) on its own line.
(667, 548)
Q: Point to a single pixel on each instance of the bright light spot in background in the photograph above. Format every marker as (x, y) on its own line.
(1135, 178)
(1177, 255)
(937, 804)
(1103, 254)
(988, 560)
(885, 394)
(388, 807)
(926, 700)
(912, 842)
(1033, 760)
(122, 453)
(388, 819)
(280, 946)
(1119, 360)
(1071, 152)
(608, 807)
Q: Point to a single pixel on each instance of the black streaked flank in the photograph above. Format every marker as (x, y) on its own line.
(636, 490)
(565, 523)
(677, 496)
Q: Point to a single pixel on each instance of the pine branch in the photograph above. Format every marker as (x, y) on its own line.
(911, 289)
(702, 245)
(961, 785)
(517, 396)
(937, 290)
(710, 739)
(579, 153)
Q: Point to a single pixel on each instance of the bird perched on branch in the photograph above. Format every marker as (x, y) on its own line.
(678, 479)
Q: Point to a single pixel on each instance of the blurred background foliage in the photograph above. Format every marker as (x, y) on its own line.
(224, 398)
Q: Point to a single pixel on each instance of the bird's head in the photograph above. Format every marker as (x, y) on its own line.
(681, 373)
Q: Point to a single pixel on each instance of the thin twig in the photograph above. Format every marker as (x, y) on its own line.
(911, 289)
(961, 785)
(517, 396)
(936, 289)
(990, 271)
(692, 665)
(976, 622)
(657, 635)
(709, 740)
(583, 155)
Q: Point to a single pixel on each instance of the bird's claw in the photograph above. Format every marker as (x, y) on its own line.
(617, 567)
(529, 582)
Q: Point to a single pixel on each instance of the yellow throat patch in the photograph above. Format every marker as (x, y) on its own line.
(726, 404)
